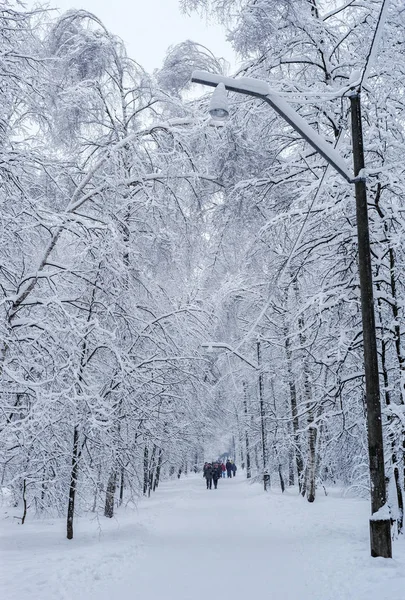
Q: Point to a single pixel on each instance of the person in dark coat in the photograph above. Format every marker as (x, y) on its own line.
(228, 468)
(216, 474)
(234, 467)
(207, 473)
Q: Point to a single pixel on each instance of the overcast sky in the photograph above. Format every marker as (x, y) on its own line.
(148, 27)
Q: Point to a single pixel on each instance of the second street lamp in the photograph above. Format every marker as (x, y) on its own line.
(380, 525)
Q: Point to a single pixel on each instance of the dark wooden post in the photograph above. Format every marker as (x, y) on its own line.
(380, 526)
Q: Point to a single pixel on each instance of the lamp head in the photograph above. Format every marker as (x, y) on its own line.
(218, 108)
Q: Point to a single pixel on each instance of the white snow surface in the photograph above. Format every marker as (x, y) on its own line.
(189, 543)
(242, 83)
(382, 514)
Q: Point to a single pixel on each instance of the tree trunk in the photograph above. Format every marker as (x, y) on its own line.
(291, 467)
(310, 470)
(282, 486)
(240, 443)
(122, 484)
(312, 432)
(241, 455)
(151, 470)
(159, 466)
(294, 413)
(24, 501)
(75, 450)
(145, 469)
(256, 455)
(248, 467)
(393, 305)
(304, 482)
(96, 489)
(400, 499)
(110, 494)
(73, 483)
(387, 397)
(263, 431)
(43, 490)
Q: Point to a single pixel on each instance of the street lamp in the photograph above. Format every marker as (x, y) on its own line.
(380, 526)
(210, 346)
(218, 107)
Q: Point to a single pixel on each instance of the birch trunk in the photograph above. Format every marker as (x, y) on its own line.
(110, 494)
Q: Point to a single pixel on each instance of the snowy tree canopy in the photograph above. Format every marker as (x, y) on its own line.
(134, 230)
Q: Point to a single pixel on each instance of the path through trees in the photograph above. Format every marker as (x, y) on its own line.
(189, 543)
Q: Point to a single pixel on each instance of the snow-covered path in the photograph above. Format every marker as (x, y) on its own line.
(187, 543)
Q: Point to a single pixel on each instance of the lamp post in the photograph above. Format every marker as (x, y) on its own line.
(210, 346)
(380, 526)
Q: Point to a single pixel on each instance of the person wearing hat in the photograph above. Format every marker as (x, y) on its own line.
(207, 473)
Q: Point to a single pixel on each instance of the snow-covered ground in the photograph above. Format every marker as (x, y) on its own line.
(187, 543)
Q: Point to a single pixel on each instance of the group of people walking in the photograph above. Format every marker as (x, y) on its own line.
(215, 470)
